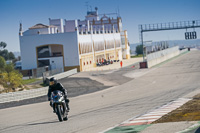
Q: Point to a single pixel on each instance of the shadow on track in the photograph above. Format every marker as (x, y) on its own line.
(15, 127)
(42, 123)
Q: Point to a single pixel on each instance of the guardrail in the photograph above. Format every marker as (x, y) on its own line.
(27, 94)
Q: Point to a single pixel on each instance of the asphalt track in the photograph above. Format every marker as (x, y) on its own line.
(95, 112)
(75, 86)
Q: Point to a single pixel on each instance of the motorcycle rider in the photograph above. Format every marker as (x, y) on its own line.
(54, 85)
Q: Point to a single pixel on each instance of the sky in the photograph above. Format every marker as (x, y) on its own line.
(132, 12)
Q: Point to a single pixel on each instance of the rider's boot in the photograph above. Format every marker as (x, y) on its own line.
(67, 105)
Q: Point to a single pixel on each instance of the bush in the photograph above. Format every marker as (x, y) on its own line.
(9, 78)
(139, 49)
(2, 64)
(12, 79)
(9, 68)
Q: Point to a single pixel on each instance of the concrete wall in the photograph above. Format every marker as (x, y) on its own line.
(183, 51)
(161, 56)
(28, 46)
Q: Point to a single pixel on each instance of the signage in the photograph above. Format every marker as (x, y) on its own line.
(190, 35)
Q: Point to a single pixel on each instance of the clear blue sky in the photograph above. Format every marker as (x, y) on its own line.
(133, 13)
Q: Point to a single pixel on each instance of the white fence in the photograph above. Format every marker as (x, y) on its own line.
(27, 94)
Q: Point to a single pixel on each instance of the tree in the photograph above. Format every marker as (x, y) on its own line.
(7, 55)
(4, 53)
(12, 79)
(2, 63)
(11, 56)
(9, 68)
(9, 77)
(139, 49)
(3, 45)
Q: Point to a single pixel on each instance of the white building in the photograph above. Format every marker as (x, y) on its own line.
(74, 43)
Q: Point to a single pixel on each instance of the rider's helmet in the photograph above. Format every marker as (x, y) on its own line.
(52, 81)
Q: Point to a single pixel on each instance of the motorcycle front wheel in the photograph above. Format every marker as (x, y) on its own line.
(58, 108)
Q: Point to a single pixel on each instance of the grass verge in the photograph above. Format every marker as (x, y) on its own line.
(190, 111)
(136, 56)
(28, 81)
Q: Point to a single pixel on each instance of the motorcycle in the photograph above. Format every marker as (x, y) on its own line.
(58, 104)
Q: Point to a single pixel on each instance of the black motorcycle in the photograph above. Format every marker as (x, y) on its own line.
(59, 105)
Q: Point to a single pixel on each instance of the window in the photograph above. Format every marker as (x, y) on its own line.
(43, 63)
(43, 52)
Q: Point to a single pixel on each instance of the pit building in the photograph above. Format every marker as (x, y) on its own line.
(67, 44)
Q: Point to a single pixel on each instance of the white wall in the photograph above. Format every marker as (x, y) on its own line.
(35, 31)
(161, 56)
(70, 25)
(28, 46)
(58, 23)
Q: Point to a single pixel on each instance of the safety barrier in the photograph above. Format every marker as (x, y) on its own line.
(183, 51)
(161, 56)
(21, 95)
(64, 74)
(27, 94)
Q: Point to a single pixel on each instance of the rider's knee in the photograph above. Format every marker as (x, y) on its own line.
(67, 100)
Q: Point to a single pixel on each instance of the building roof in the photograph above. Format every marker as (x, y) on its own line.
(40, 26)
